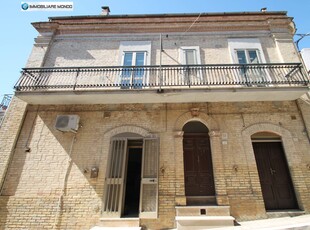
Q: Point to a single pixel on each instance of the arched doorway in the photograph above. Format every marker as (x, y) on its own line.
(275, 179)
(198, 169)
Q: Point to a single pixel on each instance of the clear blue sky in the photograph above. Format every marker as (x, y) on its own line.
(17, 34)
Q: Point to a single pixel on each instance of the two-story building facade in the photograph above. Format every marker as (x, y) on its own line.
(157, 121)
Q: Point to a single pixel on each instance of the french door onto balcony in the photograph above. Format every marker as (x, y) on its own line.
(253, 75)
(133, 77)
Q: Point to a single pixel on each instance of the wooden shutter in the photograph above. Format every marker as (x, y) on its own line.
(149, 179)
(114, 181)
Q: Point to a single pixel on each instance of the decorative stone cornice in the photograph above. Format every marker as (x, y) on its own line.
(165, 23)
(44, 39)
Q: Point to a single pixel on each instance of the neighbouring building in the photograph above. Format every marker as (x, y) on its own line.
(305, 54)
(6, 99)
(157, 121)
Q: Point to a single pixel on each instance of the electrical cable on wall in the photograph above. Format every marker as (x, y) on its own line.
(61, 196)
(182, 34)
(192, 24)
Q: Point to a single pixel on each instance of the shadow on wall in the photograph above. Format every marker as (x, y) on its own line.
(49, 166)
(81, 53)
(105, 52)
(3, 211)
(47, 161)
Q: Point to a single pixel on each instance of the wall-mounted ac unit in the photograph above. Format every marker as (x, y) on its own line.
(67, 123)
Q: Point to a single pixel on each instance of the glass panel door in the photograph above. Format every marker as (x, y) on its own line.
(253, 57)
(133, 75)
(192, 75)
(251, 74)
(126, 72)
(139, 72)
(149, 179)
(241, 57)
(190, 57)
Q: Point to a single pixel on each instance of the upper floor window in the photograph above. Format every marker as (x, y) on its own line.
(190, 55)
(248, 56)
(133, 77)
(246, 51)
(134, 55)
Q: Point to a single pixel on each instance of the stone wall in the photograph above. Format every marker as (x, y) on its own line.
(48, 182)
(103, 49)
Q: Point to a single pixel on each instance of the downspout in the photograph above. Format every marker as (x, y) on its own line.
(160, 64)
(296, 101)
(303, 120)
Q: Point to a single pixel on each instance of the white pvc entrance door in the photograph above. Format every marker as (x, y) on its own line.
(115, 181)
(149, 180)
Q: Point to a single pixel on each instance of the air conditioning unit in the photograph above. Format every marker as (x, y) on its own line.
(67, 123)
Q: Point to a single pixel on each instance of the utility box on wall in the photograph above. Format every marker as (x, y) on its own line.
(67, 123)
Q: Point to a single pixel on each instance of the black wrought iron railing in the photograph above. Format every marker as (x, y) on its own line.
(167, 76)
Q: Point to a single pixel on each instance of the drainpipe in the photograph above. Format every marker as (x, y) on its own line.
(160, 61)
(304, 67)
(303, 119)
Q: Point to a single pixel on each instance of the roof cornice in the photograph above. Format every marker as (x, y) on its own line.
(163, 23)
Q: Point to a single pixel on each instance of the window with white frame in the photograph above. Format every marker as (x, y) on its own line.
(189, 56)
(246, 51)
(248, 56)
(133, 56)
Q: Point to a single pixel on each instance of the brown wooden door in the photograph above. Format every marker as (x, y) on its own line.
(198, 170)
(275, 179)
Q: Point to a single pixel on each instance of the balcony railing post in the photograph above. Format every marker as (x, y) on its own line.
(187, 76)
(160, 78)
(244, 71)
(76, 78)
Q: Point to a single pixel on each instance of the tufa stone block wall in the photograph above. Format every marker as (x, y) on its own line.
(48, 182)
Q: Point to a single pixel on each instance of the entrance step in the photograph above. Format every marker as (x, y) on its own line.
(203, 217)
(203, 222)
(203, 210)
(285, 213)
(200, 200)
(114, 223)
(115, 228)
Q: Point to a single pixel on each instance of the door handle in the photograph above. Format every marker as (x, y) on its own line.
(272, 171)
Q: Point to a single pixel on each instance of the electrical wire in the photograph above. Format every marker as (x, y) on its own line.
(60, 199)
(192, 24)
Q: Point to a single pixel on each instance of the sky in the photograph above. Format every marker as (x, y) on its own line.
(17, 34)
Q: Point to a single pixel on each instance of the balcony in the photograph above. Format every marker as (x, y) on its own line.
(162, 84)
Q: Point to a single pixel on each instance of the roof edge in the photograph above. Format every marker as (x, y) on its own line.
(170, 15)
